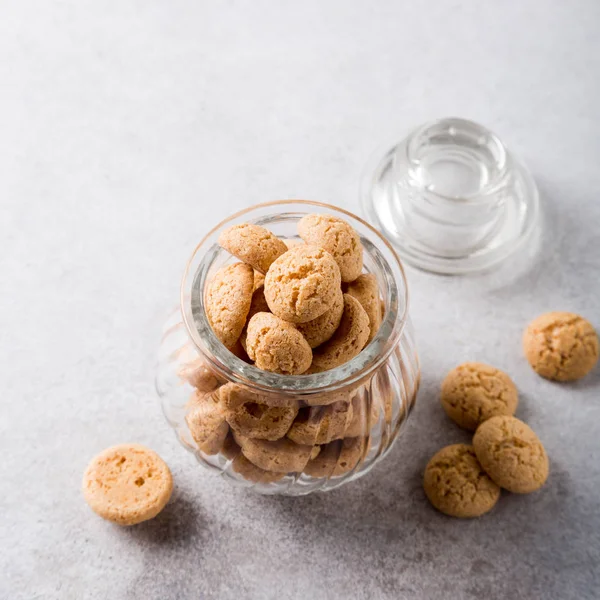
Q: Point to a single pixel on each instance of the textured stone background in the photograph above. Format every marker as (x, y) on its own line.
(127, 129)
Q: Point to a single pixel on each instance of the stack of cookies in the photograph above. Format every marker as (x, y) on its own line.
(292, 307)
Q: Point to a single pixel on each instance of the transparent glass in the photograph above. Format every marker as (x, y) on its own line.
(344, 420)
(451, 198)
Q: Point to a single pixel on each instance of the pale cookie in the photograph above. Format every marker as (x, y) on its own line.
(127, 484)
(252, 244)
(366, 290)
(457, 485)
(561, 346)
(337, 458)
(281, 456)
(511, 454)
(338, 238)
(233, 395)
(301, 284)
(292, 243)
(258, 304)
(315, 425)
(207, 423)
(474, 392)
(348, 340)
(319, 330)
(259, 280)
(276, 345)
(198, 375)
(242, 466)
(261, 421)
(228, 299)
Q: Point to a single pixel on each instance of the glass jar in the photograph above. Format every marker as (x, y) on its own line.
(345, 419)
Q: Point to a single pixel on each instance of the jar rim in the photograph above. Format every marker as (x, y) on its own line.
(236, 370)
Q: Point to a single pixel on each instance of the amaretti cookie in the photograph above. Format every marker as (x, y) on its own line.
(337, 458)
(348, 340)
(319, 330)
(253, 245)
(473, 392)
(261, 421)
(366, 290)
(207, 422)
(321, 425)
(228, 299)
(127, 484)
(302, 284)
(561, 346)
(457, 485)
(511, 454)
(338, 238)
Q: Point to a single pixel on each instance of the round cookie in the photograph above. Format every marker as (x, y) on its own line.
(261, 421)
(321, 425)
(362, 422)
(228, 299)
(301, 284)
(561, 346)
(348, 340)
(457, 485)
(207, 423)
(337, 458)
(252, 244)
(258, 304)
(511, 454)
(127, 484)
(242, 466)
(319, 330)
(276, 345)
(473, 392)
(233, 395)
(281, 456)
(338, 238)
(198, 375)
(366, 290)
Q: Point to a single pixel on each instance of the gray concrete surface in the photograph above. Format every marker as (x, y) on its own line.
(126, 130)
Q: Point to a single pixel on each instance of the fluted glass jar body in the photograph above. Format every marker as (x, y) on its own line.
(325, 429)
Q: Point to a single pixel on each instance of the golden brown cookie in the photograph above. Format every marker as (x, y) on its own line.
(127, 484)
(511, 454)
(228, 299)
(258, 304)
(362, 419)
(252, 244)
(457, 485)
(366, 290)
(319, 330)
(233, 395)
(338, 238)
(301, 284)
(348, 340)
(242, 466)
(207, 423)
(561, 346)
(261, 421)
(337, 458)
(474, 392)
(276, 345)
(281, 456)
(327, 398)
(198, 375)
(321, 425)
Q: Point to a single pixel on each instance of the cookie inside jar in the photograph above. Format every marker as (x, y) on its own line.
(297, 318)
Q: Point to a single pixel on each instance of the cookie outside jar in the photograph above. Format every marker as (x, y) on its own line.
(379, 384)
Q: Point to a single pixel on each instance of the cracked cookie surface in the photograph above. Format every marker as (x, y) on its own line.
(319, 330)
(337, 237)
(207, 423)
(366, 290)
(301, 284)
(253, 245)
(347, 341)
(276, 345)
(127, 484)
(456, 484)
(511, 454)
(261, 420)
(474, 392)
(561, 346)
(228, 299)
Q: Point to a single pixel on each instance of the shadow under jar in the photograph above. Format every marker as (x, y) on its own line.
(344, 420)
